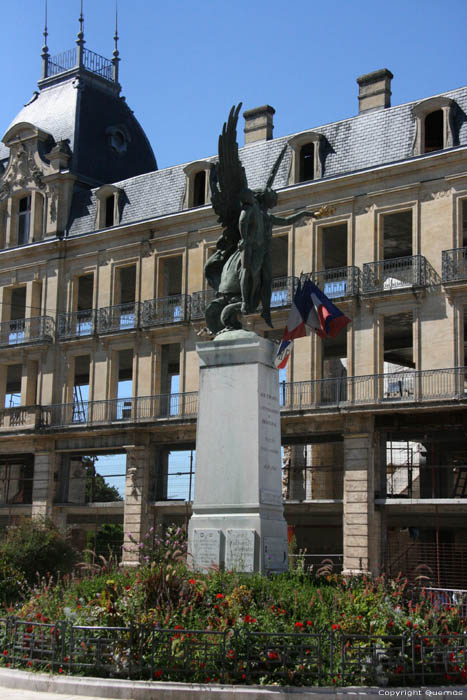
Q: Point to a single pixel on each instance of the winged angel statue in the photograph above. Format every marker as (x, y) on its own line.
(240, 270)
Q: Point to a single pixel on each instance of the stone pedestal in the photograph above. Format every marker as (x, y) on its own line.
(237, 520)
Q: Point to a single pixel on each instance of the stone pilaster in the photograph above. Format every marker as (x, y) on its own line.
(361, 522)
(135, 520)
(43, 484)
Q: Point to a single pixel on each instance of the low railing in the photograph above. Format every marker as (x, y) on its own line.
(454, 264)
(199, 302)
(27, 330)
(67, 60)
(138, 409)
(282, 291)
(18, 416)
(395, 274)
(338, 282)
(97, 64)
(78, 324)
(440, 564)
(122, 317)
(311, 563)
(395, 387)
(166, 310)
(305, 483)
(241, 656)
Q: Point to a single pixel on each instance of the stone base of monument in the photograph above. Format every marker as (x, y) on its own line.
(238, 520)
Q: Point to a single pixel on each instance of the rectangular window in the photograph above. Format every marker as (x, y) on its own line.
(24, 220)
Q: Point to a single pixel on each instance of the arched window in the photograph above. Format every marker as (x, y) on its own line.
(434, 125)
(108, 198)
(434, 131)
(199, 189)
(307, 162)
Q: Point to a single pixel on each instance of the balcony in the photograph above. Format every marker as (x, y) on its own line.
(426, 481)
(166, 310)
(19, 417)
(375, 389)
(338, 282)
(123, 317)
(199, 302)
(397, 274)
(68, 60)
(454, 265)
(80, 324)
(282, 291)
(138, 409)
(22, 331)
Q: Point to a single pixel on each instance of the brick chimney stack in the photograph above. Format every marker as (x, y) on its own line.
(375, 90)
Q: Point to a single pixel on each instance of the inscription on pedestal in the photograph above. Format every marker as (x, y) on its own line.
(206, 549)
(240, 550)
(275, 554)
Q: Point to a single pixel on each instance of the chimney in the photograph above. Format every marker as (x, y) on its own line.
(375, 90)
(259, 123)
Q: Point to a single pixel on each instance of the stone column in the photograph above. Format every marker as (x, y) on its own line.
(135, 519)
(43, 484)
(361, 522)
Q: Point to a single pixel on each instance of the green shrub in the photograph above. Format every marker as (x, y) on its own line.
(13, 585)
(36, 547)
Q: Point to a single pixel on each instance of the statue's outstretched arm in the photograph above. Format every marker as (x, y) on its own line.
(281, 220)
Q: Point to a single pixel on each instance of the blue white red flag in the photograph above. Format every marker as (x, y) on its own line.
(312, 308)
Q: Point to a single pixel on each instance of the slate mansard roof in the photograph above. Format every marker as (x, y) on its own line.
(367, 140)
(82, 109)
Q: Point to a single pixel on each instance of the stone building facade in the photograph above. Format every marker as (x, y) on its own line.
(102, 299)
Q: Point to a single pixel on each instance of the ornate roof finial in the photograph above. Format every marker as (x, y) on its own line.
(80, 39)
(45, 49)
(115, 59)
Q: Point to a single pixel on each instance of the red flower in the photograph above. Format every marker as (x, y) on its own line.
(29, 664)
(273, 655)
(38, 616)
(231, 654)
(243, 676)
(158, 674)
(219, 596)
(5, 653)
(408, 623)
(299, 624)
(309, 623)
(192, 581)
(60, 670)
(66, 659)
(248, 618)
(336, 627)
(399, 669)
(390, 623)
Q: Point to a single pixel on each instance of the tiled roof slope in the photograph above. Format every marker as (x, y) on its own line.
(81, 110)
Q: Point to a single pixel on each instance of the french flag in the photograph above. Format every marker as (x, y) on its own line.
(310, 307)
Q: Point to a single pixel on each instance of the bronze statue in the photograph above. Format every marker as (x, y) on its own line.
(240, 270)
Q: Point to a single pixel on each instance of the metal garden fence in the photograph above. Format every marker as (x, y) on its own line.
(240, 656)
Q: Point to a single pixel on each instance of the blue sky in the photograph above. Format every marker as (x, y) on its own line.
(185, 62)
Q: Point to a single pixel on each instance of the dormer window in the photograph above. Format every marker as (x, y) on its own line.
(24, 219)
(434, 125)
(199, 189)
(197, 192)
(108, 206)
(434, 137)
(306, 161)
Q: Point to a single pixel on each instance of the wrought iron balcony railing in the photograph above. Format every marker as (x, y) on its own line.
(123, 317)
(454, 264)
(396, 273)
(282, 291)
(421, 481)
(27, 330)
(338, 282)
(78, 324)
(137, 409)
(166, 310)
(199, 302)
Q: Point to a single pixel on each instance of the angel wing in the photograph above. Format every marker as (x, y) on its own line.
(228, 179)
